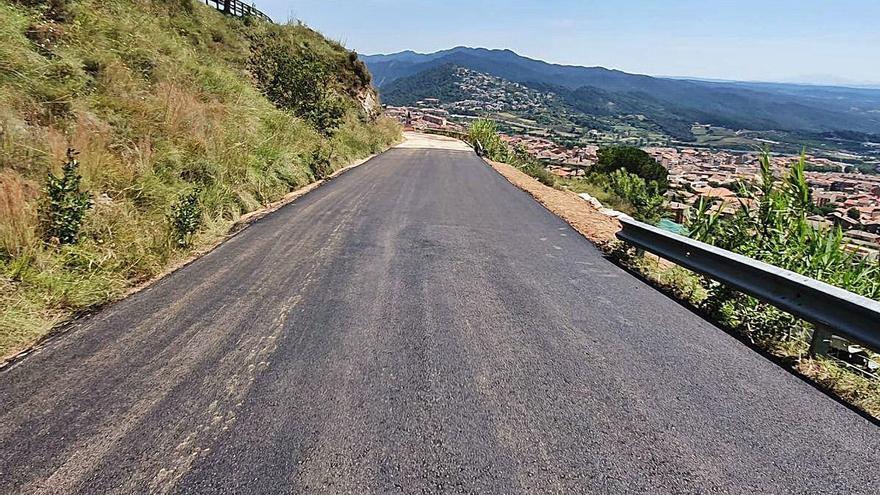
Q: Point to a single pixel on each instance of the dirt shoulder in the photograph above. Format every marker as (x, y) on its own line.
(581, 215)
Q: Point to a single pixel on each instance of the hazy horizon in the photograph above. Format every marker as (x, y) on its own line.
(804, 42)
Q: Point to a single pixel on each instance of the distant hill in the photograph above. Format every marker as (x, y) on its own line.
(467, 92)
(673, 104)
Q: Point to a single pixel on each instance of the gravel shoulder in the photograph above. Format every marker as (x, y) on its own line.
(592, 224)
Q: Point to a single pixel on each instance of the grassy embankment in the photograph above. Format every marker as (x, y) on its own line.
(776, 233)
(164, 101)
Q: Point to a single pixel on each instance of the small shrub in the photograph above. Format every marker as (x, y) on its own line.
(540, 173)
(485, 132)
(185, 218)
(65, 205)
(853, 213)
(321, 163)
(644, 196)
(360, 69)
(299, 82)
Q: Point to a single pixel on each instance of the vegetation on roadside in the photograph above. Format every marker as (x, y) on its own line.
(626, 179)
(776, 231)
(636, 162)
(183, 119)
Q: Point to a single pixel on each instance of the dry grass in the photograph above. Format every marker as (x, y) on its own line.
(158, 103)
(18, 217)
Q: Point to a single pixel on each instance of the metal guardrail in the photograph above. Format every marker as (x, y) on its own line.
(238, 9)
(831, 309)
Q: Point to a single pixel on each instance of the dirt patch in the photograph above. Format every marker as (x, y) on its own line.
(432, 141)
(581, 215)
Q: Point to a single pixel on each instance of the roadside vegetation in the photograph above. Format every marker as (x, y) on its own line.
(134, 132)
(775, 231)
(625, 178)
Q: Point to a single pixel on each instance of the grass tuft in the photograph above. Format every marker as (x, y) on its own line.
(158, 98)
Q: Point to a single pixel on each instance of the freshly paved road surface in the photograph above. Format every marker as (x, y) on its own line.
(415, 326)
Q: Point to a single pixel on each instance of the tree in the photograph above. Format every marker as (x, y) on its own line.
(634, 161)
(65, 205)
(300, 82)
(854, 213)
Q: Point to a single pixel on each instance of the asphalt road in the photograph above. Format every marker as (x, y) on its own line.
(417, 325)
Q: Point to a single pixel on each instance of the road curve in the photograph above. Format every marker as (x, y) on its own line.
(417, 325)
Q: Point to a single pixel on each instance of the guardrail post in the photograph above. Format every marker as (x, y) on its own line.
(820, 342)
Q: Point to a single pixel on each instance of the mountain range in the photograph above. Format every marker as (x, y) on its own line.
(674, 105)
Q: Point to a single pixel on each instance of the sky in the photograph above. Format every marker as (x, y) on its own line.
(819, 41)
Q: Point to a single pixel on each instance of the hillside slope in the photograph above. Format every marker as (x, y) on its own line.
(672, 103)
(464, 91)
(175, 140)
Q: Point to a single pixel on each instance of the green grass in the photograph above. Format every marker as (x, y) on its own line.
(159, 102)
(606, 197)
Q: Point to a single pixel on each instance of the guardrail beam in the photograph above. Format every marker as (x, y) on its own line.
(830, 308)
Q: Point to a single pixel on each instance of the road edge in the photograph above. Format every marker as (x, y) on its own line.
(606, 243)
(62, 326)
(579, 214)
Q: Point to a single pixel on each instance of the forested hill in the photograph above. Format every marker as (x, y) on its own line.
(179, 119)
(673, 103)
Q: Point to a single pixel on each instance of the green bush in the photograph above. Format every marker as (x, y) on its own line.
(854, 213)
(65, 205)
(776, 231)
(297, 81)
(634, 161)
(642, 195)
(485, 132)
(320, 163)
(185, 218)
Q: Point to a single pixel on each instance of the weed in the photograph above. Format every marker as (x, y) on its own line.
(18, 220)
